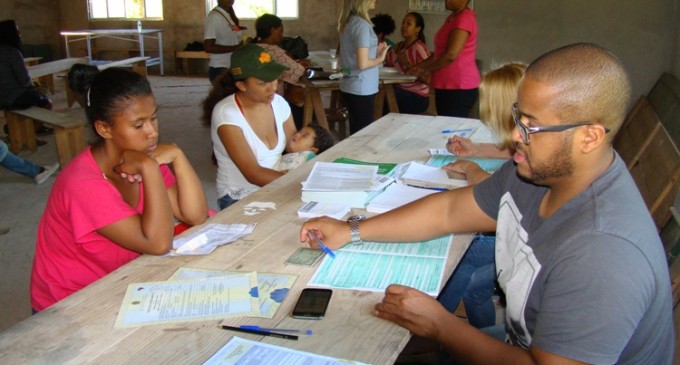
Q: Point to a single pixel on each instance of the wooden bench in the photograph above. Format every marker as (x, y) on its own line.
(31, 61)
(636, 132)
(665, 99)
(138, 65)
(185, 56)
(68, 131)
(44, 72)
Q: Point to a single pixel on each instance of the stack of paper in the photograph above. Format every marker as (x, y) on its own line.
(349, 184)
(395, 196)
(384, 168)
(425, 176)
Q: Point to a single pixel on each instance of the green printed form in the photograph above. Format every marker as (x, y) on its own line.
(384, 168)
(373, 266)
(487, 164)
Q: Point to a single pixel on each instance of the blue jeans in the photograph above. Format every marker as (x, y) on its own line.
(225, 201)
(474, 282)
(16, 163)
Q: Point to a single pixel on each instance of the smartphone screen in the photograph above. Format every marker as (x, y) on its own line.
(312, 303)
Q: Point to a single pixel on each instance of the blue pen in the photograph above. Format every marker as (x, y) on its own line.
(457, 130)
(320, 243)
(282, 330)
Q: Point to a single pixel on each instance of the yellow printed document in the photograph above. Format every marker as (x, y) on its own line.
(190, 300)
(272, 289)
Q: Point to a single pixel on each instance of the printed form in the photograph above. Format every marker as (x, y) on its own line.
(192, 300)
(242, 351)
(373, 266)
(272, 289)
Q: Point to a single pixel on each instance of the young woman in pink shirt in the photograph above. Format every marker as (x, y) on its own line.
(118, 198)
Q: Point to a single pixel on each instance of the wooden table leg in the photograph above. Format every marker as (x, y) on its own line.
(47, 81)
(308, 108)
(319, 110)
(379, 103)
(392, 105)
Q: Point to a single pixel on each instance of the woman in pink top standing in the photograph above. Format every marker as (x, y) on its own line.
(455, 76)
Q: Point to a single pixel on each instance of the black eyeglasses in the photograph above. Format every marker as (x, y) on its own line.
(525, 131)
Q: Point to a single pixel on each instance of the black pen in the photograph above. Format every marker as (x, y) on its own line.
(261, 332)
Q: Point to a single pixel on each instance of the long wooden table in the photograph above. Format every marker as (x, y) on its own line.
(80, 329)
(129, 35)
(313, 104)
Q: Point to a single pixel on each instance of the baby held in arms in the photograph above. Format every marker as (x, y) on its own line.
(305, 145)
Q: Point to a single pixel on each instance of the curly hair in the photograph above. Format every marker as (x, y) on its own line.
(223, 86)
(383, 23)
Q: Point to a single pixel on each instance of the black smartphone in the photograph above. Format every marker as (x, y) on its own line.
(312, 303)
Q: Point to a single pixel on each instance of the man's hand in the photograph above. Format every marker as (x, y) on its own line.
(333, 232)
(413, 310)
(461, 147)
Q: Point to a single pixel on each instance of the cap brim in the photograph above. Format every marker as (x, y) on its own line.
(271, 71)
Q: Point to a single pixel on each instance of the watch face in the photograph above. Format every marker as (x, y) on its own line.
(356, 218)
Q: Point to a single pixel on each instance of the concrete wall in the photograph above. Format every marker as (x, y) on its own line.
(38, 20)
(675, 62)
(642, 34)
(646, 35)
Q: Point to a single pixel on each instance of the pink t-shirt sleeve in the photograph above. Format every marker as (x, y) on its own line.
(100, 204)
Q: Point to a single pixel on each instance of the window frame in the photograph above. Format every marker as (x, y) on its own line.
(211, 4)
(109, 18)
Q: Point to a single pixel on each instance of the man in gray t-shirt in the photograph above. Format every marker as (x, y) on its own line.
(577, 253)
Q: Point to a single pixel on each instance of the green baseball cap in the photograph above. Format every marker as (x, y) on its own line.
(252, 60)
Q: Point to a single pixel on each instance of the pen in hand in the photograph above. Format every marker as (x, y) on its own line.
(312, 235)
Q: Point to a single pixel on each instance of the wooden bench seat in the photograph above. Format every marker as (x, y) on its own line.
(68, 131)
(665, 99)
(138, 65)
(185, 56)
(44, 72)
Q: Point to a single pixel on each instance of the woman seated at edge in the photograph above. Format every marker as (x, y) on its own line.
(116, 199)
(474, 277)
(412, 97)
(251, 124)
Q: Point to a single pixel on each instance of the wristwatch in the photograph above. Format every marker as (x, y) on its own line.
(354, 228)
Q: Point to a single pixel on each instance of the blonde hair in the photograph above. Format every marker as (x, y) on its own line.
(497, 93)
(354, 7)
